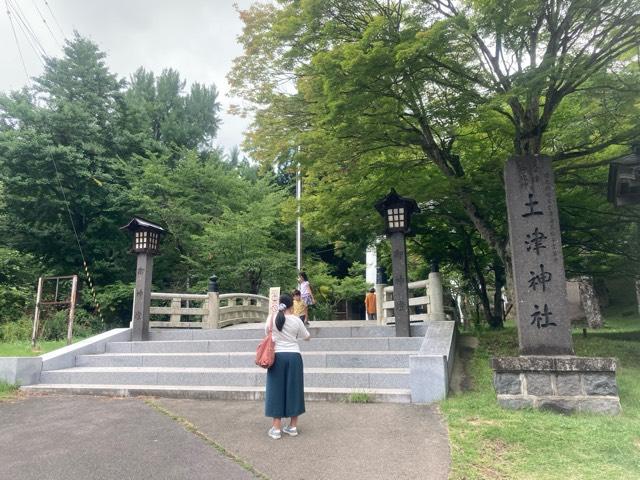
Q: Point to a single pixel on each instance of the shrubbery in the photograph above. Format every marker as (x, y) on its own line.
(53, 326)
(16, 330)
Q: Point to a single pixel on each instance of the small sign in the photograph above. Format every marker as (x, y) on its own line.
(274, 300)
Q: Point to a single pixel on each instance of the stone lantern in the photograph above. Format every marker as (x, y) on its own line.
(146, 244)
(396, 212)
(624, 179)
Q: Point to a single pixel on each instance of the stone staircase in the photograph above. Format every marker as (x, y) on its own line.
(219, 364)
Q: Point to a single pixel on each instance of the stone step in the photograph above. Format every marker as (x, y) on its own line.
(256, 331)
(249, 345)
(386, 395)
(344, 359)
(246, 377)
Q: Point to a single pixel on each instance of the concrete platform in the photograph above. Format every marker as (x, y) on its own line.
(80, 438)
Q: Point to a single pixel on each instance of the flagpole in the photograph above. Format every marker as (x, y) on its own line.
(299, 220)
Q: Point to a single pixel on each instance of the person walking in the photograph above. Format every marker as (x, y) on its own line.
(306, 294)
(370, 304)
(284, 396)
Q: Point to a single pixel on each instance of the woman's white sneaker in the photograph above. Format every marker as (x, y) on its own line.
(275, 434)
(293, 431)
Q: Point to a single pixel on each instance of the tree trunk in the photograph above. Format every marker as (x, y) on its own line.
(509, 288)
(498, 309)
(638, 292)
(590, 302)
(473, 272)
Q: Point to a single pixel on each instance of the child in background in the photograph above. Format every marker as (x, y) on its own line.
(305, 293)
(299, 307)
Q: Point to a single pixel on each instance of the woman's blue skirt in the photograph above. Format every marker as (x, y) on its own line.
(285, 386)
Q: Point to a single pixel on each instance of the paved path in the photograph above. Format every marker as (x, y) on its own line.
(60, 437)
(95, 438)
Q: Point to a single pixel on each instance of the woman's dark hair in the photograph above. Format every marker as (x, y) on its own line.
(287, 301)
(304, 276)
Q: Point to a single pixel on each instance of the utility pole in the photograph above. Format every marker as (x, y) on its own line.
(299, 220)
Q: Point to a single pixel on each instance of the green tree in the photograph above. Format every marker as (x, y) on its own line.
(160, 113)
(383, 93)
(58, 144)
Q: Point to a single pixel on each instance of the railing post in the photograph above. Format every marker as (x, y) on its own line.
(436, 302)
(176, 305)
(213, 303)
(381, 282)
(72, 308)
(380, 313)
(388, 297)
(36, 314)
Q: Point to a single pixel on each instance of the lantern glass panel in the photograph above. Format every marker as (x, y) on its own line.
(395, 217)
(153, 241)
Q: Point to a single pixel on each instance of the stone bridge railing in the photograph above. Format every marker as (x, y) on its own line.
(212, 309)
(425, 300)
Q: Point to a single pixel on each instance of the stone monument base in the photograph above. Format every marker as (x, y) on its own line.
(564, 384)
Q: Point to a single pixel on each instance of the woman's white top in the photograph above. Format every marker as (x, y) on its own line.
(287, 339)
(305, 289)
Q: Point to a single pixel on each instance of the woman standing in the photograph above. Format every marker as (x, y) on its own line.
(306, 294)
(285, 382)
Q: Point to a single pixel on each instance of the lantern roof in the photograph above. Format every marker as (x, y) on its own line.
(138, 223)
(393, 198)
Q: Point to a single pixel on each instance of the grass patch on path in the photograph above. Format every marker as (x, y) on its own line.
(7, 391)
(488, 442)
(190, 427)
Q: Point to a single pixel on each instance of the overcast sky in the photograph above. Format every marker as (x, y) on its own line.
(195, 37)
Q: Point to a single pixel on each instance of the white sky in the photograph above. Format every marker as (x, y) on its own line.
(196, 37)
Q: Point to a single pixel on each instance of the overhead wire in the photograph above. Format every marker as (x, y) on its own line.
(75, 233)
(25, 19)
(55, 19)
(27, 31)
(55, 39)
(15, 36)
(36, 45)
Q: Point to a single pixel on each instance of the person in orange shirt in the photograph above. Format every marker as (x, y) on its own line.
(370, 304)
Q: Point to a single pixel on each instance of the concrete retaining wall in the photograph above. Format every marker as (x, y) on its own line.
(66, 357)
(20, 370)
(432, 366)
(27, 370)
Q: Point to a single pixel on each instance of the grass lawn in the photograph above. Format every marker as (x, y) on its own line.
(23, 348)
(491, 443)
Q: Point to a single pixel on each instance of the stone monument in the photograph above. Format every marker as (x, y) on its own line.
(546, 375)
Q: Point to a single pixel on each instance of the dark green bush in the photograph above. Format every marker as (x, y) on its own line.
(54, 326)
(16, 330)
